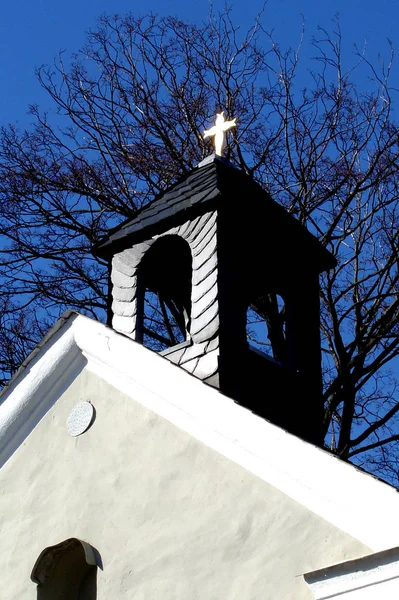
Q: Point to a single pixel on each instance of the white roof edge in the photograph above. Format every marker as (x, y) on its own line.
(37, 384)
(348, 498)
(369, 574)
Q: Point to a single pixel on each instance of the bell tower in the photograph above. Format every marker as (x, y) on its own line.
(195, 263)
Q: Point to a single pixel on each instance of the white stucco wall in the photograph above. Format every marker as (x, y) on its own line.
(171, 518)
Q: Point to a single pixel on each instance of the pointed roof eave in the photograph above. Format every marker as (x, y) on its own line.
(190, 193)
(343, 495)
(203, 187)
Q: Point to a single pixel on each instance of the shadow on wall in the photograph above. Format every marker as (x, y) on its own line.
(67, 571)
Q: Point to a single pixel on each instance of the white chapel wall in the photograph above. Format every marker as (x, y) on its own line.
(171, 518)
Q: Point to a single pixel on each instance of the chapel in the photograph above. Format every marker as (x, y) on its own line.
(174, 452)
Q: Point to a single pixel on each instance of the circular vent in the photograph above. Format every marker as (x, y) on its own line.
(80, 418)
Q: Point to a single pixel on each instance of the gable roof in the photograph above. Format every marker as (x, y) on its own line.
(350, 499)
(204, 188)
(199, 187)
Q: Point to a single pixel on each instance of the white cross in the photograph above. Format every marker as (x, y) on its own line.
(217, 131)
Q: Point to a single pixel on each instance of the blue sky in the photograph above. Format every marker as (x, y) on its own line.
(32, 33)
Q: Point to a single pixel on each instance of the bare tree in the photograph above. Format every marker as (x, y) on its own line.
(131, 109)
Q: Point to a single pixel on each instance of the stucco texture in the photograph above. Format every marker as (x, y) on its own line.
(171, 518)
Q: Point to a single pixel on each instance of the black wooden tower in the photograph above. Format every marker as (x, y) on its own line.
(188, 270)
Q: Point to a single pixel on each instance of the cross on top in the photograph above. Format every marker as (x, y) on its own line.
(218, 130)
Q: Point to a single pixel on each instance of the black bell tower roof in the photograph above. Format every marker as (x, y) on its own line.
(215, 183)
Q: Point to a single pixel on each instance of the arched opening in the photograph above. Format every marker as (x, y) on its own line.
(165, 293)
(269, 327)
(66, 571)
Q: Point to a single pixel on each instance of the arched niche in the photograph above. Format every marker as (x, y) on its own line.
(67, 571)
(164, 293)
